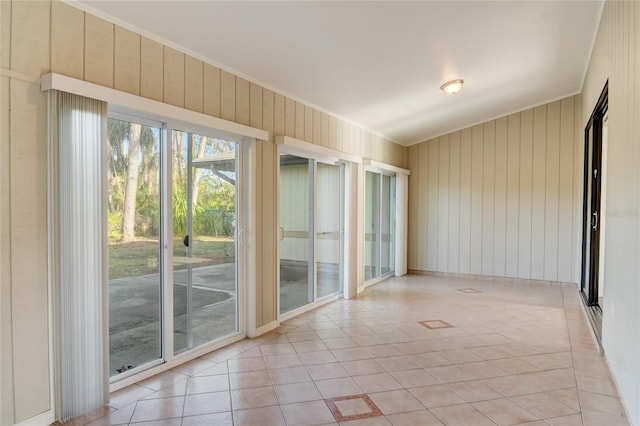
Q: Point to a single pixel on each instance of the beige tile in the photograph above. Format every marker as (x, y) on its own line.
(302, 336)
(357, 331)
(372, 421)
(573, 420)
(297, 392)
(282, 361)
(327, 371)
(601, 403)
(350, 354)
(543, 405)
(504, 412)
(277, 349)
(129, 395)
(340, 343)
(289, 375)
(597, 385)
(165, 422)
(320, 357)
(514, 365)
(396, 363)
(311, 346)
(379, 351)
(370, 340)
(161, 380)
(246, 364)
(249, 379)
(352, 407)
(568, 397)
(451, 374)
(436, 396)
(461, 415)
(482, 370)
(307, 413)
(460, 356)
(192, 367)
(220, 368)
(206, 384)
(360, 367)
(251, 353)
(92, 415)
(396, 401)
(253, 397)
(474, 391)
(176, 389)
(550, 361)
(377, 382)
(217, 419)
(157, 409)
(206, 403)
(414, 378)
(332, 388)
(595, 418)
(271, 416)
(332, 334)
(118, 417)
(415, 418)
(490, 352)
(430, 359)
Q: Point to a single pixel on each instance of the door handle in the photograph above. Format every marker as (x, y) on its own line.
(186, 241)
(281, 233)
(594, 220)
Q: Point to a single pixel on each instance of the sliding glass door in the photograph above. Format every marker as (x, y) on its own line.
(311, 223)
(169, 188)
(380, 218)
(134, 223)
(204, 239)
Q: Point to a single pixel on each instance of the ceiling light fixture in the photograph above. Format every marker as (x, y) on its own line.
(452, 87)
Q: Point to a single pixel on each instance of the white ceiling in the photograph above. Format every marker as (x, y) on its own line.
(380, 64)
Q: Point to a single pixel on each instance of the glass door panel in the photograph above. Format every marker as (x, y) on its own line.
(135, 285)
(204, 247)
(296, 232)
(372, 226)
(328, 228)
(386, 225)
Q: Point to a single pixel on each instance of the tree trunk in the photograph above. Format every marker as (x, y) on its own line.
(131, 189)
(197, 173)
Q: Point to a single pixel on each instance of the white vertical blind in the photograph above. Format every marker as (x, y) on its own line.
(78, 267)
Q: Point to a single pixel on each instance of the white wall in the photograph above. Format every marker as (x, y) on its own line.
(294, 212)
(500, 198)
(616, 56)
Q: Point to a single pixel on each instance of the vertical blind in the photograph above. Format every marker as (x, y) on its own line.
(78, 268)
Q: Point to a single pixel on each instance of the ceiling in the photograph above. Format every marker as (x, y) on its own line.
(380, 64)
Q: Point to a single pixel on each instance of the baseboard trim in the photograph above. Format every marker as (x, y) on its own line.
(45, 418)
(505, 280)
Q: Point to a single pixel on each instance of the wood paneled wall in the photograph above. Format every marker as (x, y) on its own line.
(500, 198)
(38, 37)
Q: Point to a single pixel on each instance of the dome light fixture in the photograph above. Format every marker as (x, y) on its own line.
(452, 87)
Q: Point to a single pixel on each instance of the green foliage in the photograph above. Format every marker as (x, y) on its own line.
(179, 208)
(114, 225)
(216, 217)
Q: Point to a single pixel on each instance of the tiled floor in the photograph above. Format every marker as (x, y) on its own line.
(414, 350)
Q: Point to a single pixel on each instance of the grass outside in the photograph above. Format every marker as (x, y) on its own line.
(141, 257)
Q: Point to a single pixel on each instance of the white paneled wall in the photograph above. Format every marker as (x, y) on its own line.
(616, 58)
(498, 199)
(294, 212)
